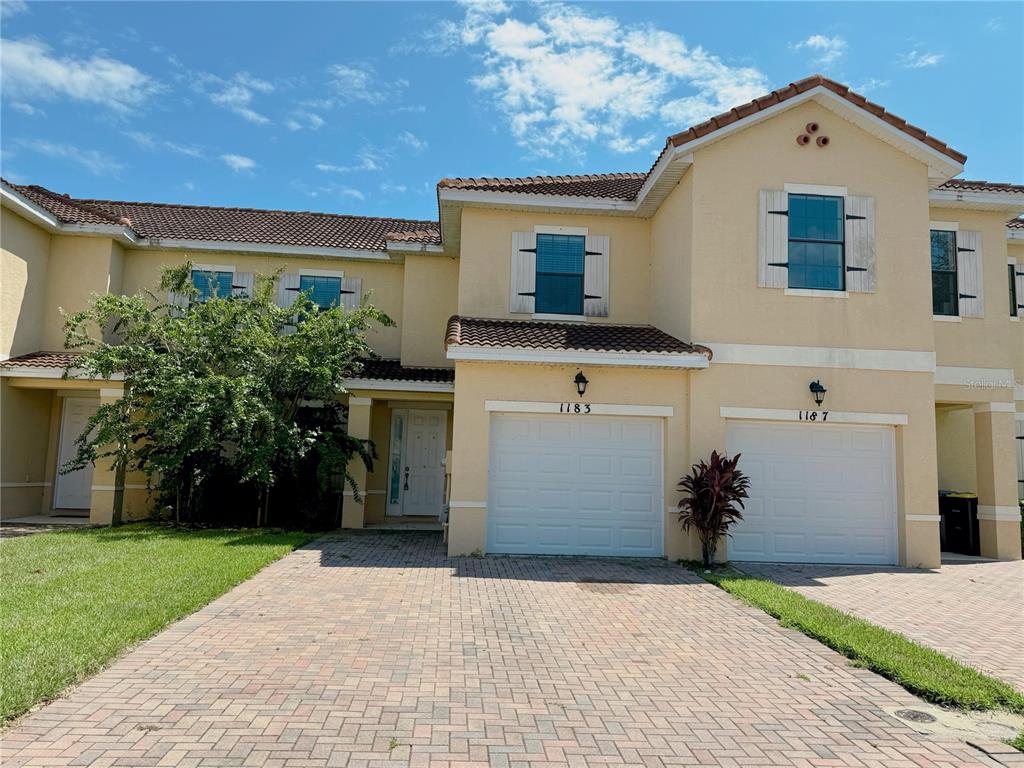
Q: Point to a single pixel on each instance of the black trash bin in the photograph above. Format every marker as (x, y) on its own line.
(958, 529)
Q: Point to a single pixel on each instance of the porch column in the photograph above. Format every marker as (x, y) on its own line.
(104, 478)
(998, 511)
(352, 512)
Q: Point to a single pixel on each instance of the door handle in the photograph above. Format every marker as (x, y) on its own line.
(406, 486)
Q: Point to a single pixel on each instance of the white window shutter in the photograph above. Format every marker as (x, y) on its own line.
(969, 273)
(351, 292)
(860, 244)
(523, 282)
(1018, 276)
(243, 285)
(595, 276)
(287, 289)
(773, 239)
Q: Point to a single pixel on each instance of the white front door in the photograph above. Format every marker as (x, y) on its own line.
(571, 485)
(416, 467)
(74, 490)
(818, 493)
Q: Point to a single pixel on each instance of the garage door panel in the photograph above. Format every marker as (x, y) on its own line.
(604, 496)
(818, 493)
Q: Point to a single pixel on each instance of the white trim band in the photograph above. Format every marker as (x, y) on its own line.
(467, 505)
(984, 378)
(834, 417)
(922, 518)
(815, 189)
(816, 293)
(125, 487)
(596, 409)
(360, 401)
(392, 385)
(572, 357)
(823, 357)
(1009, 514)
(40, 484)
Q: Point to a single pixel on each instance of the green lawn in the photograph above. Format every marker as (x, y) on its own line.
(73, 600)
(922, 671)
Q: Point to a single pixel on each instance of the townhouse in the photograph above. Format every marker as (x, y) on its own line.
(803, 280)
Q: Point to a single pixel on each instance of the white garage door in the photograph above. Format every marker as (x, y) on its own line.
(575, 485)
(818, 494)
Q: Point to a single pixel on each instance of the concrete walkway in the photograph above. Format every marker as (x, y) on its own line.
(971, 610)
(376, 650)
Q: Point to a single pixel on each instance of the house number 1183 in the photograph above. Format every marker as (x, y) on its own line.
(574, 407)
(814, 416)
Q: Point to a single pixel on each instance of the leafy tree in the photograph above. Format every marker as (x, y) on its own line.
(713, 495)
(218, 392)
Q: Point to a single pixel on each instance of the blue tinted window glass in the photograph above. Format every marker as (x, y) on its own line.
(210, 284)
(816, 228)
(945, 295)
(559, 288)
(324, 291)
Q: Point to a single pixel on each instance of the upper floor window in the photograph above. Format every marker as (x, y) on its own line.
(211, 283)
(324, 291)
(816, 242)
(945, 294)
(1015, 300)
(560, 265)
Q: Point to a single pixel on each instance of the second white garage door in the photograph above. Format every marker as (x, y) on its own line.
(818, 494)
(575, 485)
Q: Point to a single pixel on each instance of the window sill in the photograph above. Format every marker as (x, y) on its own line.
(560, 318)
(1014, 318)
(947, 318)
(821, 294)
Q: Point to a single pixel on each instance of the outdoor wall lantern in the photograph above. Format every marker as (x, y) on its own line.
(818, 392)
(581, 383)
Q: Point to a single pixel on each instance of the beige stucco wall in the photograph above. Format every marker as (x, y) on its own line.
(381, 279)
(729, 306)
(25, 429)
(486, 259)
(954, 429)
(80, 267)
(671, 262)
(1016, 251)
(859, 391)
(429, 298)
(477, 382)
(24, 260)
(992, 341)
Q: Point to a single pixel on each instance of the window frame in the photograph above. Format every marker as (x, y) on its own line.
(211, 269)
(955, 271)
(790, 194)
(567, 232)
(1011, 268)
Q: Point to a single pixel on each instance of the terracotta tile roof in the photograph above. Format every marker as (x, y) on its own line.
(233, 225)
(624, 186)
(967, 185)
(41, 360)
(393, 370)
(426, 236)
(802, 86)
(1015, 224)
(582, 337)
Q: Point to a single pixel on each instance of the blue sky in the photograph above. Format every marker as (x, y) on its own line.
(361, 108)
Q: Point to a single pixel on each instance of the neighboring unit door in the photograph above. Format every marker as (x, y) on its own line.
(74, 490)
(418, 444)
(818, 493)
(575, 485)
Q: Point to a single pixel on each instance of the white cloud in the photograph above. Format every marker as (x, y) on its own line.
(26, 108)
(301, 118)
(152, 143)
(30, 71)
(369, 158)
(826, 49)
(996, 24)
(92, 160)
(389, 188)
(410, 139)
(9, 8)
(568, 78)
(920, 59)
(359, 82)
(238, 163)
(350, 192)
(871, 84)
(236, 94)
(628, 144)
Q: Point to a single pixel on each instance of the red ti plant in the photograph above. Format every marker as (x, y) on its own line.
(713, 495)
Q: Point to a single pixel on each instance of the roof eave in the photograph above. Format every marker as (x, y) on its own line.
(480, 353)
(981, 200)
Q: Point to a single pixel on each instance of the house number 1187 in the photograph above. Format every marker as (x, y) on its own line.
(574, 407)
(814, 416)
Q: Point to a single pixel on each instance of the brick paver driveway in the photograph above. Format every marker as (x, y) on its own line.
(374, 650)
(972, 611)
